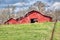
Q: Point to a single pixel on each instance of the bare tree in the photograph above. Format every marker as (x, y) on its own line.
(56, 13)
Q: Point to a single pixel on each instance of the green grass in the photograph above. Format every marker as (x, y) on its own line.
(36, 31)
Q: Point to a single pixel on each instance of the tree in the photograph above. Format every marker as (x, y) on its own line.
(56, 13)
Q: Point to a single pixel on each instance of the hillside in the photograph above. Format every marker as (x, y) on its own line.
(36, 31)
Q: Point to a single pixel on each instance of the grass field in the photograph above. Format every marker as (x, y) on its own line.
(36, 31)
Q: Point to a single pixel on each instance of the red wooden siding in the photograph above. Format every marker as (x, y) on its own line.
(35, 14)
(11, 21)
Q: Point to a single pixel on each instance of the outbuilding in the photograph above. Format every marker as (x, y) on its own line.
(11, 21)
(34, 16)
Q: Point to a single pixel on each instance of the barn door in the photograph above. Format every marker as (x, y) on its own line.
(33, 20)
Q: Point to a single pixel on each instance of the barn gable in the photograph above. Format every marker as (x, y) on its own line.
(29, 13)
(11, 21)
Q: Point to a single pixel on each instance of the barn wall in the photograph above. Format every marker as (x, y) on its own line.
(12, 21)
(39, 17)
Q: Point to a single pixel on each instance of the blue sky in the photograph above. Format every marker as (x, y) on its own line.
(15, 1)
(23, 3)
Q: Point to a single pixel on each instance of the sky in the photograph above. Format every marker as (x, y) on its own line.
(21, 3)
(26, 3)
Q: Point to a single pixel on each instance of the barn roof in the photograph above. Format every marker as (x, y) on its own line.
(9, 20)
(19, 18)
(29, 13)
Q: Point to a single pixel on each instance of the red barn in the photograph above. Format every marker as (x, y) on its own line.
(11, 21)
(34, 16)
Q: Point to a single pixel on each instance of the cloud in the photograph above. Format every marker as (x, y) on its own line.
(20, 4)
(24, 3)
(56, 6)
(19, 9)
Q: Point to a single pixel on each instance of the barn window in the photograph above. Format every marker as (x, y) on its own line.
(34, 20)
